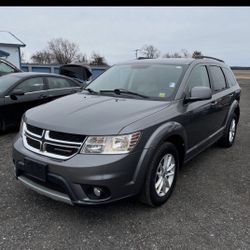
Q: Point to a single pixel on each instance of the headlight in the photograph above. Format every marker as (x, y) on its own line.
(121, 144)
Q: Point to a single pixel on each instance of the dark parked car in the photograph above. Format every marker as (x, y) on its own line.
(7, 67)
(128, 132)
(22, 91)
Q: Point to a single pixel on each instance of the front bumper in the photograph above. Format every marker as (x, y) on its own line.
(69, 181)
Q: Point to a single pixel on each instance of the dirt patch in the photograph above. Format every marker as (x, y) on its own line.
(242, 74)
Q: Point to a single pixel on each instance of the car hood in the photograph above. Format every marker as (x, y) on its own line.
(91, 114)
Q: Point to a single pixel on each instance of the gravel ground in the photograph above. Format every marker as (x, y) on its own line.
(209, 209)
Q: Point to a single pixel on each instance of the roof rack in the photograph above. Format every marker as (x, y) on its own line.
(208, 57)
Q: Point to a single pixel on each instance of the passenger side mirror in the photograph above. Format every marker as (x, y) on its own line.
(199, 93)
(15, 93)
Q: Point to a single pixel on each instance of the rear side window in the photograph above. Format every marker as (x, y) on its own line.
(198, 77)
(59, 83)
(31, 85)
(218, 78)
(230, 77)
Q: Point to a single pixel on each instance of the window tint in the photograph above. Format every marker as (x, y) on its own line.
(230, 77)
(31, 85)
(4, 68)
(199, 77)
(218, 78)
(58, 83)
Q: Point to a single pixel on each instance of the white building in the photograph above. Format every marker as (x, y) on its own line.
(10, 48)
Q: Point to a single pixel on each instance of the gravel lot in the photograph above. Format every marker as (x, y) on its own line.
(210, 208)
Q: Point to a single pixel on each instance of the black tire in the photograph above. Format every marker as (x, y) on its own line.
(149, 195)
(225, 140)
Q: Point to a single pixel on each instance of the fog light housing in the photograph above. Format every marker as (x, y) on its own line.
(96, 192)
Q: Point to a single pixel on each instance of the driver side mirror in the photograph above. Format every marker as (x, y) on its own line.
(199, 93)
(15, 93)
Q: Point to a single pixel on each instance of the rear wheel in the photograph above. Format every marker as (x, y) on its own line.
(161, 175)
(228, 138)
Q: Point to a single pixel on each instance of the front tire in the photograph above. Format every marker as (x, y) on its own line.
(161, 176)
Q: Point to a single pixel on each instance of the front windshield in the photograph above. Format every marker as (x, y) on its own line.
(157, 81)
(7, 81)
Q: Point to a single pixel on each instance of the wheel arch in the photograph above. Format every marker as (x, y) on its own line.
(234, 108)
(172, 132)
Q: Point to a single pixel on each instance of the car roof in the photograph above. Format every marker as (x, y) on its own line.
(27, 74)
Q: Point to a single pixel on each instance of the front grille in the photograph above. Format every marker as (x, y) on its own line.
(66, 136)
(52, 144)
(35, 130)
(65, 151)
(33, 143)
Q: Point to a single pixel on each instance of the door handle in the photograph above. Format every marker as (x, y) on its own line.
(43, 96)
(214, 103)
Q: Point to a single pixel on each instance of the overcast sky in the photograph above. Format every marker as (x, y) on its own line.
(115, 32)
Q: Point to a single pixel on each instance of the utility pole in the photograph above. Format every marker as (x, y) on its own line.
(136, 52)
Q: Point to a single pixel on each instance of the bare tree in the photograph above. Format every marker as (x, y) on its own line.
(81, 58)
(150, 51)
(174, 55)
(63, 50)
(185, 53)
(196, 53)
(60, 51)
(182, 54)
(97, 59)
(42, 57)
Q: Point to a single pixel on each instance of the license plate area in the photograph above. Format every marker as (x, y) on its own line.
(35, 169)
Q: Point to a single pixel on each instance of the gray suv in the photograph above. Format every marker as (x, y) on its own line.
(129, 132)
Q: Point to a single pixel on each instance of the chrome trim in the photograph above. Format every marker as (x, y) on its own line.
(47, 137)
(30, 133)
(26, 145)
(59, 145)
(45, 140)
(53, 194)
(28, 136)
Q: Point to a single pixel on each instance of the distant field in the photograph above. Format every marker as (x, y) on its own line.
(242, 74)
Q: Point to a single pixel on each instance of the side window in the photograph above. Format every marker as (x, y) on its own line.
(31, 85)
(198, 77)
(59, 83)
(5, 68)
(218, 78)
(230, 77)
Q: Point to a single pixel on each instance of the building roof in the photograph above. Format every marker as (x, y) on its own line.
(8, 38)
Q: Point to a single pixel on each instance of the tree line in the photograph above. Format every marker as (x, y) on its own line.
(149, 51)
(62, 51)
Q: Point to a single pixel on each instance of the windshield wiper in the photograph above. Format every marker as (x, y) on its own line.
(123, 91)
(91, 91)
